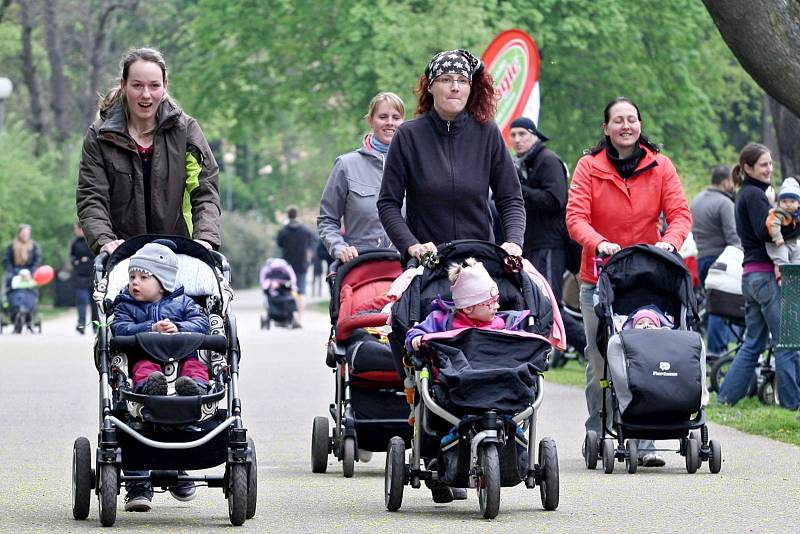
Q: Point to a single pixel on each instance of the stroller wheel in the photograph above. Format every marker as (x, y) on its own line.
(715, 459)
(107, 497)
(252, 482)
(19, 323)
(81, 478)
(237, 493)
(719, 370)
(692, 455)
(557, 359)
(548, 461)
(631, 456)
(320, 445)
(348, 457)
(489, 481)
(608, 455)
(767, 390)
(590, 445)
(394, 474)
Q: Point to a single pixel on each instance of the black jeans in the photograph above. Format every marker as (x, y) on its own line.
(551, 263)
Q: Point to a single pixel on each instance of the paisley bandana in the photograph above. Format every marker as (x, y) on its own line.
(453, 62)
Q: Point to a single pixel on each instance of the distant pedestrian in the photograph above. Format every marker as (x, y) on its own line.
(294, 239)
(713, 229)
(82, 259)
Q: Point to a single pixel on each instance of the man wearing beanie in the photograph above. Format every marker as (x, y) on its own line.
(783, 249)
(543, 177)
(154, 302)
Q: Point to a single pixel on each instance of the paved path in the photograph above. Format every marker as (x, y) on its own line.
(48, 397)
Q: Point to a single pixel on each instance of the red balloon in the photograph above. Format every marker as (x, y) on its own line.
(44, 275)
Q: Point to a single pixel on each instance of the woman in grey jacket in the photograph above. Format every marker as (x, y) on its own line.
(444, 162)
(350, 194)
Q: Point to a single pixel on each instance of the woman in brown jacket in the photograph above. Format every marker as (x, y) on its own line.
(146, 167)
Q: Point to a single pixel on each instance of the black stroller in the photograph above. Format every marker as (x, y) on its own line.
(278, 282)
(656, 377)
(167, 434)
(370, 406)
(477, 391)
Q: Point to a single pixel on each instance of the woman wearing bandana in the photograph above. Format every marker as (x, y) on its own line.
(619, 189)
(352, 189)
(445, 160)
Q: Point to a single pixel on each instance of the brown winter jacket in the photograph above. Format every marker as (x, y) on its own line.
(184, 189)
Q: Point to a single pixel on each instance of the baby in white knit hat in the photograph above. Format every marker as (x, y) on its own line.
(476, 300)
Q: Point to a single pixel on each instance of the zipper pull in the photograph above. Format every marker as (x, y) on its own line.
(448, 126)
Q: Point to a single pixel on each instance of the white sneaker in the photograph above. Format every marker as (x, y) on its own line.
(364, 456)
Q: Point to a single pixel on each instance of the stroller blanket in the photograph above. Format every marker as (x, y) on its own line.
(476, 370)
(657, 371)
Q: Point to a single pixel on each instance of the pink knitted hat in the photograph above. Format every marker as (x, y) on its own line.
(646, 314)
(473, 286)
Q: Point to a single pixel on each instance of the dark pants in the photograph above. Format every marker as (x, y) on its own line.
(83, 298)
(551, 263)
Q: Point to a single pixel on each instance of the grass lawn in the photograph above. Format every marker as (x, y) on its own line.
(749, 415)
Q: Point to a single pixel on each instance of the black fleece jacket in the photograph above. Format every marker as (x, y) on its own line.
(544, 190)
(752, 208)
(444, 170)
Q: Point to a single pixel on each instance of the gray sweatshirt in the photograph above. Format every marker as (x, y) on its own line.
(713, 223)
(349, 198)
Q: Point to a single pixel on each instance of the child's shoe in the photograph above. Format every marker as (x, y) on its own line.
(156, 384)
(187, 387)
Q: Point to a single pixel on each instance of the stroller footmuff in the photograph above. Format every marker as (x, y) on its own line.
(279, 283)
(656, 376)
(476, 391)
(369, 407)
(165, 435)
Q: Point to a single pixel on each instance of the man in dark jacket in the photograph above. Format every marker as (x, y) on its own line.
(81, 258)
(543, 177)
(295, 241)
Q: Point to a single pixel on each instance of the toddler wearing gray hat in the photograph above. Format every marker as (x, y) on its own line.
(156, 260)
(785, 250)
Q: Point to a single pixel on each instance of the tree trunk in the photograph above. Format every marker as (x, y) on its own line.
(28, 67)
(764, 35)
(58, 83)
(787, 128)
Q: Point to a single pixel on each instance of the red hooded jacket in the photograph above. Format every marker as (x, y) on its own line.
(604, 207)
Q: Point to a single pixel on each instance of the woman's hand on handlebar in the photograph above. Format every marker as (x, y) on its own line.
(111, 246)
(606, 248)
(512, 248)
(419, 249)
(666, 246)
(347, 254)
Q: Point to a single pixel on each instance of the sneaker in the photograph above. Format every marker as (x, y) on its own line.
(183, 491)
(187, 387)
(364, 456)
(441, 494)
(80, 329)
(156, 384)
(459, 494)
(652, 459)
(138, 498)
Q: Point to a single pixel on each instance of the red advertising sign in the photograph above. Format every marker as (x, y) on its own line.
(513, 61)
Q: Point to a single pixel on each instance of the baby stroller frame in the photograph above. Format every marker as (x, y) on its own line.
(343, 442)
(694, 446)
(485, 434)
(220, 442)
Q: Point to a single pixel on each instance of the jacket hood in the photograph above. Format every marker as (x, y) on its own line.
(125, 296)
(439, 304)
(115, 121)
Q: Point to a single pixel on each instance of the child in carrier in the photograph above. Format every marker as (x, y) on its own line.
(153, 303)
(785, 250)
(475, 303)
(647, 317)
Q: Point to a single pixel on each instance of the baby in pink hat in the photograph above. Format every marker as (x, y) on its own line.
(643, 319)
(476, 300)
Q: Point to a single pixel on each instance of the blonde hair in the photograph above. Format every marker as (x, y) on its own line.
(395, 101)
(133, 55)
(454, 271)
(22, 249)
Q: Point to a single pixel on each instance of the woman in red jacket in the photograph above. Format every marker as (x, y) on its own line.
(619, 189)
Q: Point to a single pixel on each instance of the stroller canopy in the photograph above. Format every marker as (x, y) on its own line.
(644, 274)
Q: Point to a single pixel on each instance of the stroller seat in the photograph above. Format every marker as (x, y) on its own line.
(362, 296)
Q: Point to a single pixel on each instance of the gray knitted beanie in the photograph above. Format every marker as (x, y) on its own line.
(159, 261)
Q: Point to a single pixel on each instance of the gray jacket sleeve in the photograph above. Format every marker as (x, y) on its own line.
(728, 218)
(331, 209)
(507, 192)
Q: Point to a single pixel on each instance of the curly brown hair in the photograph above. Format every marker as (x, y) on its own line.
(481, 101)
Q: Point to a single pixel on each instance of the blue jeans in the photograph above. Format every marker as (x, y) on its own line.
(718, 333)
(762, 315)
(82, 300)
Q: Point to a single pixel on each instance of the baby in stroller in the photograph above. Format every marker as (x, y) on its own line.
(279, 283)
(23, 299)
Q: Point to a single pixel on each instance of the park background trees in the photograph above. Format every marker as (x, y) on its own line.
(281, 86)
